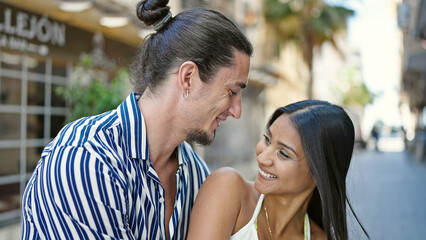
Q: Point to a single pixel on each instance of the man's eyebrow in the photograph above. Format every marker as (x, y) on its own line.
(283, 144)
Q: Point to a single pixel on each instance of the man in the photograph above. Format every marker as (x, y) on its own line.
(128, 173)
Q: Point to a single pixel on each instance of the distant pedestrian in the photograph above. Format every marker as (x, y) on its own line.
(375, 133)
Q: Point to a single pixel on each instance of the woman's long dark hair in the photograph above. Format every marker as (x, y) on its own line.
(327, 135)
(205, 37)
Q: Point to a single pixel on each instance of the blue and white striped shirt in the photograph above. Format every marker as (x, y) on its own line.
(95, 181)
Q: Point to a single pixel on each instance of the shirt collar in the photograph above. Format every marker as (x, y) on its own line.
(134, 129)
(183, 153)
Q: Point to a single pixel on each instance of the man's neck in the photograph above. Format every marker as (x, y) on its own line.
(162, 133)
(164, 136)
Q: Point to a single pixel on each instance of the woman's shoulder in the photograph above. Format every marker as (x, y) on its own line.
(219, 203)
(226, 180)
(230, 179)
(228, 174)
(244, 195)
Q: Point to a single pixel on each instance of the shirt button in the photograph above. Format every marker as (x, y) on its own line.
(161, 200)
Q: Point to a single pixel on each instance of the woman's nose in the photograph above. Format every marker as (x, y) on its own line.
(264, 157)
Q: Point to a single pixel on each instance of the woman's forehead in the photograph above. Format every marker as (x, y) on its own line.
(283, 130)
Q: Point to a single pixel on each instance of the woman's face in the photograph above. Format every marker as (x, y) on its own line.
(283, 169)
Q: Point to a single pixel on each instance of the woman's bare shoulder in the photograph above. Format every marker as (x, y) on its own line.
(242, 191)
(225, 185)
(227, 172)
(228, 179)
(218, 204)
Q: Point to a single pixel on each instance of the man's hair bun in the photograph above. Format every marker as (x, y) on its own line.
(152, 11)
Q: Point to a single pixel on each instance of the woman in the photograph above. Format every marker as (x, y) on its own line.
(300, 190)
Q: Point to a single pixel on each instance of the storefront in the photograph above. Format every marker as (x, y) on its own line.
(37, 54)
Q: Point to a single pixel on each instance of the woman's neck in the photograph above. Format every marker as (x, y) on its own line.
(286, 214)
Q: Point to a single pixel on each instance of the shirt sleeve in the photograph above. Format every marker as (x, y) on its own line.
(77, 195)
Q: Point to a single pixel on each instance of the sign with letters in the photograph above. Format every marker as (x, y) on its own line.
(24, 31)
(29, 32)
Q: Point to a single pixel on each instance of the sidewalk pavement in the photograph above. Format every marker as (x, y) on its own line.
(387, 191)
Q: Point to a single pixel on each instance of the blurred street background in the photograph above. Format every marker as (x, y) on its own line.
(387, 192)
(64, 59)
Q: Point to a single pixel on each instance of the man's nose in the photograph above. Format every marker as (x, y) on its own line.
(235, 109)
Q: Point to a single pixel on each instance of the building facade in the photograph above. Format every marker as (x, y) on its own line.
(412, 22)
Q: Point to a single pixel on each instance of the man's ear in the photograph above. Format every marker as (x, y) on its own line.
(188, 73)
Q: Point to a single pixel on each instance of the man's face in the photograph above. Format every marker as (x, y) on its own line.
(219, 99)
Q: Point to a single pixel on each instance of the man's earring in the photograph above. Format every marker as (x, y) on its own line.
(186, 96)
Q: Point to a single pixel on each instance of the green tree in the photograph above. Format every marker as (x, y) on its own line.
(355, 92)
(308, 23)
(88, 95)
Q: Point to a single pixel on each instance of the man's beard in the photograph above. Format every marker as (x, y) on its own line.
(199, 136)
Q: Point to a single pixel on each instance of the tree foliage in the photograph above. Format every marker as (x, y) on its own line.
(351, 90)
(308, 23)
(88, 95)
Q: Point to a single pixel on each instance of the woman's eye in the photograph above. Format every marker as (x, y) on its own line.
(283, 154)
(266, 139)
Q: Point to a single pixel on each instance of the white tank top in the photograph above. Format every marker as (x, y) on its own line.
(249, 232)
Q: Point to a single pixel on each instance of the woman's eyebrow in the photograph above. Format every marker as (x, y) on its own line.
(282, 144)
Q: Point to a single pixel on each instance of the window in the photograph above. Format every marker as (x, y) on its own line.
(31, 114)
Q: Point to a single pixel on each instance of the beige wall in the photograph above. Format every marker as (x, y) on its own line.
(292, 83)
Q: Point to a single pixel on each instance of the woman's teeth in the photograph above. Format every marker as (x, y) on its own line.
(267, 175)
